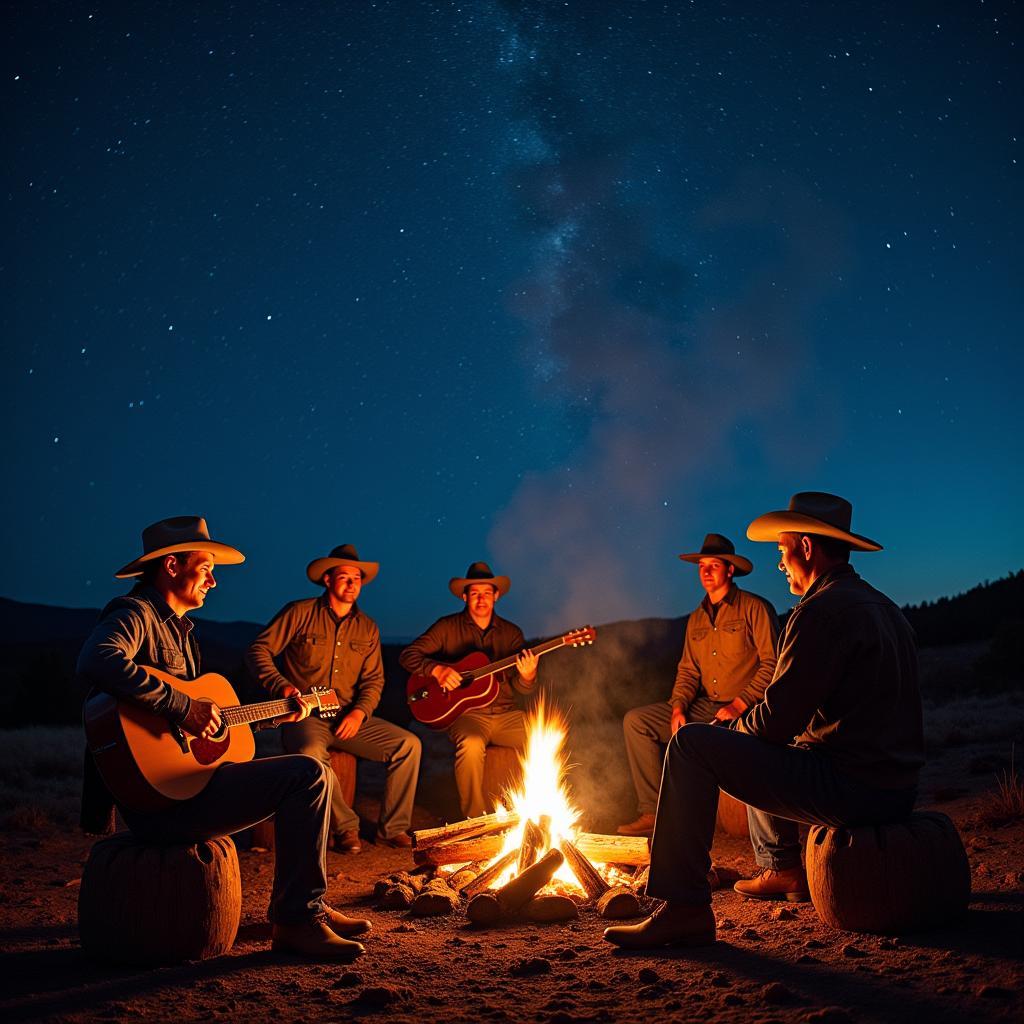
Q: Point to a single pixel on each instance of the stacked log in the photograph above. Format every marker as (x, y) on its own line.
(489, 908)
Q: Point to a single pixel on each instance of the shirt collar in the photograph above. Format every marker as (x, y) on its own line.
(325, 603)
(835, 573)
(730, 598)
(163, 610)
(472, 622)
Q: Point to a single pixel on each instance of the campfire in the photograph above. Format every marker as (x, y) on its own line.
(529, 858)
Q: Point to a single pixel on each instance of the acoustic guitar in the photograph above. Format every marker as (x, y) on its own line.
(149, 764)
(432, 705)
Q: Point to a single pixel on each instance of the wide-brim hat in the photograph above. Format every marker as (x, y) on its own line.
(717, 546)
(814, 512)
(172, 536)
(478, 572)
(343, 554)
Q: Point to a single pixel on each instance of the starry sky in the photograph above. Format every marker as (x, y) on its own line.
(562, 286)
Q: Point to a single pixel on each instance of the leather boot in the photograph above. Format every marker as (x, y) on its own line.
(790, 884)
(315, 940)
(347, 841)
(342, 924)
(643, 826)
(672, 924)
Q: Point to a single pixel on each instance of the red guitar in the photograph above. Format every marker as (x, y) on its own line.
(434, 706)
(147, 763)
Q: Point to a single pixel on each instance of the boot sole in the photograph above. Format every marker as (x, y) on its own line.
(776, 897)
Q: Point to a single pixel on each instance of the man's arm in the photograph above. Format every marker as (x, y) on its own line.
(524, 662)
(107, 661)
(259, 659)
(809, 666)
(764, 628)
(419, 658)
(371, 680)
(687, 681)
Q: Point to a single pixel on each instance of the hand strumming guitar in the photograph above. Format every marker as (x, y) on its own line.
(526, 662)
(448, 677)
(203, 718)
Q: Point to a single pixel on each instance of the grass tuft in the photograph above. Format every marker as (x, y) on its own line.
(1006, 802)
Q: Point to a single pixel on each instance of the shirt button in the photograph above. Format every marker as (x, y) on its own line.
(714, 652)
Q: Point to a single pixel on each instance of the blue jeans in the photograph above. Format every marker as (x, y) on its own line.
(786, 784)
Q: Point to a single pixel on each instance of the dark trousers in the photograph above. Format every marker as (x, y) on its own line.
(293, 788)
(787, 785)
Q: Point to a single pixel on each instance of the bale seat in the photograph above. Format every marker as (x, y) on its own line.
(889, 878)
(344, 766)
(146, 904)
(503, 770)
(732, 815)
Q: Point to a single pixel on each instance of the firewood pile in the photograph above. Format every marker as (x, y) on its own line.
(460, 866)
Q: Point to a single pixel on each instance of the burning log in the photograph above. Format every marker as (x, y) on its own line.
(470, 828)
(547, 908)
(535, 838)
(483, 881)
(463, 877)
(436, 898)
(600, 849)
(618, 903)
(640, 879)
(483, 848)
(488, 908)
(586, 874)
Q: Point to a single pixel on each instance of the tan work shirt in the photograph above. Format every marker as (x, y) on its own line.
(730, 655)
(316, 648)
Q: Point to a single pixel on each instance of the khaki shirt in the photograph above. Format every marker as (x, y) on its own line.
(846, 683)
(732, 655)
(316, 648)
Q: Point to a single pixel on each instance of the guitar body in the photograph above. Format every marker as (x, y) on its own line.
(147, 764)
(438, 708)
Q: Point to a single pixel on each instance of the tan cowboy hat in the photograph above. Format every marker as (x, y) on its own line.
(171, 536)
(478, 572)
(343, 554)
(717, 546)
(815, 512)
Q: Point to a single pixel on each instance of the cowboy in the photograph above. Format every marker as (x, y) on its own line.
(149, 626)
(837, 739)
(450, 639)
(728, 658)
(329, 641)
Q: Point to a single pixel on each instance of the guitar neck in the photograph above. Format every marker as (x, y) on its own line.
(497, 666)
(246, 714)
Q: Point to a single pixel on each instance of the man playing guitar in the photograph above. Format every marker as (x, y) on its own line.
(451, 638)
(149, 627)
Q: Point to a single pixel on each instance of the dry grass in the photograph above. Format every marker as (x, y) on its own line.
(1006, 802)
(973, 719)
(41, 777)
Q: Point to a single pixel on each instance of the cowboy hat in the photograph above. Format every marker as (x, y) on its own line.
(343, 554)
(717, 546)
(478, 572)
(171, 536)
(813, 512)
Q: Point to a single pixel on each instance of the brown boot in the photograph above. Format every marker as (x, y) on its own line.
(347, 841)
(315, 940)
(766, 884)
(643, 826)
(400, 840)
(672, 924)
(342, 924)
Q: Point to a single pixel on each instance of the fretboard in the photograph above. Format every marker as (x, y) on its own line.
(497, 666)
(246, 714)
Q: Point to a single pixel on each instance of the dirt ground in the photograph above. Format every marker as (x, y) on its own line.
(765, 967)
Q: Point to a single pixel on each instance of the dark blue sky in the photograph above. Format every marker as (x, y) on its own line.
(562, 286)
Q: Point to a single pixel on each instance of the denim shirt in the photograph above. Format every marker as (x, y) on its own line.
(135, 630)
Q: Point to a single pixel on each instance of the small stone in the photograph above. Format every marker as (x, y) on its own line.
(651, 992)
(530, 967)
(405, 927)
(775, 993)
(376, 996)
(731, 999)
(750, 933)
(813, 944)
(722, 981)
(888, 944)
(349, 980)
(648, 976)
(853, 952)
(725, 924)
(783, 914)
(567, 954)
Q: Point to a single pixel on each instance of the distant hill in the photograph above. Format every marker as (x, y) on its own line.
(632, 662)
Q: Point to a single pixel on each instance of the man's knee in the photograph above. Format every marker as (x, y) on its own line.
(409, 749)
(632, 722)
(470, 747)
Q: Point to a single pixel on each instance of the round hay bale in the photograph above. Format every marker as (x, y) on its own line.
(145, 904)
(889, 878)
(732, 815)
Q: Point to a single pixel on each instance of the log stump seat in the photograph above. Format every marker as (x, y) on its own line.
(344, 766)
(732, 815)
(503, 770)
(889, 878)
(145, 904)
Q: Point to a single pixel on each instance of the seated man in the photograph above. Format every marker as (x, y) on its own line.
(845, 687)
(728, 659)
(328, 641)
(149, 627)
(450, 639)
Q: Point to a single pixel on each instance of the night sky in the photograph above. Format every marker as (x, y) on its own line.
(563, 286)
